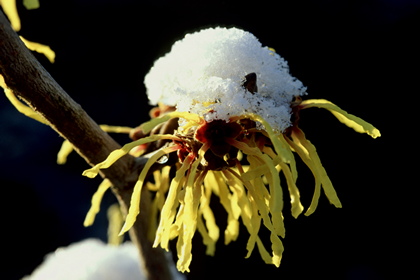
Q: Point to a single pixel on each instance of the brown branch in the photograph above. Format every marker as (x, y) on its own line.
(26, 77)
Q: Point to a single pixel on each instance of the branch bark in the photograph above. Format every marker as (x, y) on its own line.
(26, 77)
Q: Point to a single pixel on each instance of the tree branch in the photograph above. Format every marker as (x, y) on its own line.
(26, 77)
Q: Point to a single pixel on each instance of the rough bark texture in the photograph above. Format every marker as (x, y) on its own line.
(26, 77)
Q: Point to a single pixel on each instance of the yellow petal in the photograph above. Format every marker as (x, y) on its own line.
(278, 142)
(277, 248)
(209, 230)
(161, 178)
(228, 201)
(276, 193)
(27, 111)
(253, 229)
(275, 197)
(40, 48)
(304, 155)
(276, 201)
(248, 213)
(169, 208)
(294, 193)
(65, 150)
(162, 183)
(308, 153)
(193, 193)
(22, 108)
(192, 118)
(134, 209)
(254, 173)
(31, 4)
(116, 220)
(350, 120)
(183, 248)
(96, 201)
(67, 147)
(10, 10)
(263, 252)
(117, 154)
(115, 129)
(188, 227)
(257, 200)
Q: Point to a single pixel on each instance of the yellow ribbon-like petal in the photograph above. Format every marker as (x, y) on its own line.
(117, 154)
(96, 201)
(250, 217)
(22, 108)
(160, 186)
(209, 230)
(279, 146)
(257, 200)
(31, 4)
(277, 248)
(192, 118)
(67, 147)
(63, 153)
(40, 48)
(116, 220)
(294, 193)
(10, 10)
(215, 180)
(350, 120)
(134, 209)
(276, 193)
(193, 192)
(308, 153)
(168, 212)
(115, 129)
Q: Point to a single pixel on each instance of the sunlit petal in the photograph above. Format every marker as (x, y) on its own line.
(232, 142)
(209, 230)
(64, 152)
(216, 181)
(294, 193)
(10, 10)
(117, 154)
(169, 208)
(350, 120)
(134, 209)
(115, 221)
(96, 201)
(115, 129)
(22, 108)
(320, 174)
(31, 4)
(40, 48)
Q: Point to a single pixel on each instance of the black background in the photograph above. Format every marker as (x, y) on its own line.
(357, 54)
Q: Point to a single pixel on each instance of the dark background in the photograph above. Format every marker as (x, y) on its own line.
(357, 54)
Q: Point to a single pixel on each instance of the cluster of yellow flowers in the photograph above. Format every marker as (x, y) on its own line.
(223, 143)
(251, 191)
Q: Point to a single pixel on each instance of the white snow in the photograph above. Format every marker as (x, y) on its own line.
(91, 259)
(203, 74)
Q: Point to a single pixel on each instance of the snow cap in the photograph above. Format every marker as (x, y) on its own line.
(204, 74)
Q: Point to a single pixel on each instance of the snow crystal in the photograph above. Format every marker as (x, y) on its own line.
(204, 72)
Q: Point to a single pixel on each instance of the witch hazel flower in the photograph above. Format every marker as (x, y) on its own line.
(226, 123)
